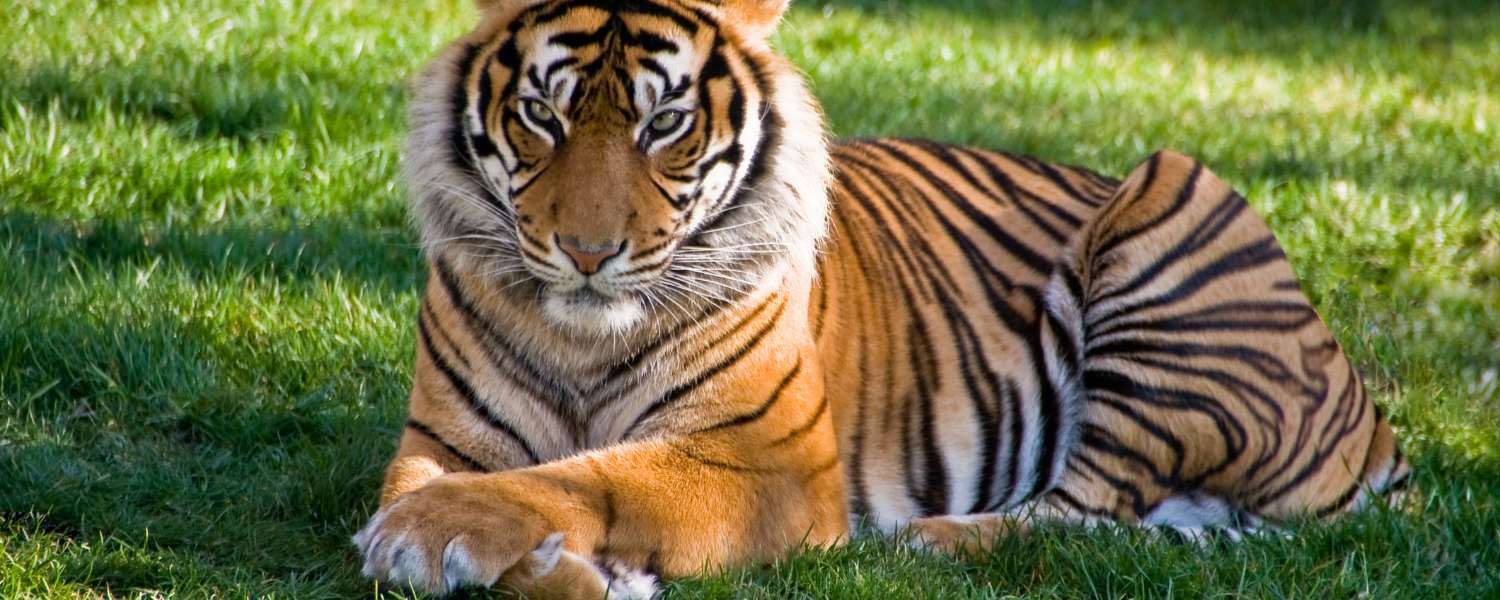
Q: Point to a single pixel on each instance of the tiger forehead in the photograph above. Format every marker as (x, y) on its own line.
(612, 38)
(595, 14)
(621, 57)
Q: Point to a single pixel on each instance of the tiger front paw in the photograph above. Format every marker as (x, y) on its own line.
(451, 533)
(553, 573)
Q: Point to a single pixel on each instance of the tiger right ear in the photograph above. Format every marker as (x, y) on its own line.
(756, 19)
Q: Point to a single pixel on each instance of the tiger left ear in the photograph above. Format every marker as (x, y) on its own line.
(754, 19)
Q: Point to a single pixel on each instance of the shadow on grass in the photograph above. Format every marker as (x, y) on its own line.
(387, 258)
(146, 430)
(161, 429)
(197, 100)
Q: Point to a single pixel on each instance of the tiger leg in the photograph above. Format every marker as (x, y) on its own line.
(428, 452)
(422, 456)
(973, 533)
(1213, 392)
(1095, 490)
(758, 476)
(675, 507)
(1179, 517)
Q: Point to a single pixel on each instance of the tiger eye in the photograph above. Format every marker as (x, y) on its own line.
(538, 111)
(666, 121)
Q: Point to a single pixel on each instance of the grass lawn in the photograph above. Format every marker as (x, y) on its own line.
(208, 287)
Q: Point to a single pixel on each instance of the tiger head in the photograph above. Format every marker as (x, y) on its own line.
(619, 160)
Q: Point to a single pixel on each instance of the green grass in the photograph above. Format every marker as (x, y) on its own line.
(207, 285)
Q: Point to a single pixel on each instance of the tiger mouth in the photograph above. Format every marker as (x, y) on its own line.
(589, 297)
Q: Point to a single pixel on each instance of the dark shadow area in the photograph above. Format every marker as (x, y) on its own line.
(147, 433)
(388, 258)
(233, 111)
(245, 102)
(191, 507)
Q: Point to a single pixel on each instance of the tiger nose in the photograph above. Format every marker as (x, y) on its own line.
(589, 257)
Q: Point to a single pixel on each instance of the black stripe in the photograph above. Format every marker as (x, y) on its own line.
(1345, 420)
(860, 493)
(574, 40)
(1185, 192)
(471, 397)
(719, 464)
(1259, 316)
(1249, 256)
(764, 408)
(1014, 189)
(1204, 233)
(1017, 437)
(460, 152)
(1062, 183)
(1125, 487)
(481, 143)
(915, 254)
(1124, 388)
(931, 492)
(1341, 503)
(1024, 328)
(802, 429)
(651, 42)
(1264, 364)
(1104, 442)
(551, 394)
(467, 460)
(934, 496)
(682, 390)
(1015, 247)
(1018, 197)
(822, 303)
(427, 313)
(1073, 503)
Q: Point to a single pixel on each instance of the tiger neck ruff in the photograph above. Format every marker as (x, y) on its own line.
(669, 327)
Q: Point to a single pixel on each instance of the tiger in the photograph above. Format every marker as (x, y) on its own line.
(670, 326)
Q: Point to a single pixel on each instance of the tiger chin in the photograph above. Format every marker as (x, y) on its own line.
(669, 327)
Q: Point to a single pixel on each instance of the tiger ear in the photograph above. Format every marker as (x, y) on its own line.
(754, 19)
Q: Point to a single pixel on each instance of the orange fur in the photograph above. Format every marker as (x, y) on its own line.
(953, 340)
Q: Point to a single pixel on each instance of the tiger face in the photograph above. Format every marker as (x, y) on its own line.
(619, 159)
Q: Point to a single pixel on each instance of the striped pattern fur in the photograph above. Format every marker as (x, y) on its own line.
(670, 327)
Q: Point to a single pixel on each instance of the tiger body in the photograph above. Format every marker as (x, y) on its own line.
(668, 327)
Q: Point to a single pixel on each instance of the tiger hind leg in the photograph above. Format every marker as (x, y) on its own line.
(1211, 385)
(957, 534)
(1192, 518)
(1213, 398)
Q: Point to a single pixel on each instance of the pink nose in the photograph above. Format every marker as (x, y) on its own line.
(589, 257)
